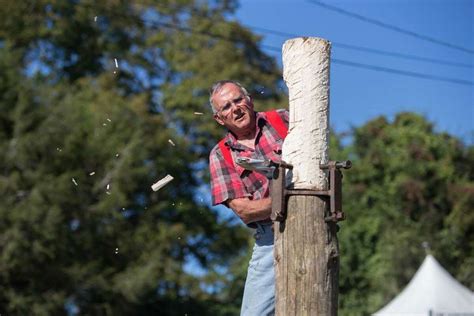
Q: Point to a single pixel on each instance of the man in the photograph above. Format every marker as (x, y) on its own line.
(254, 135)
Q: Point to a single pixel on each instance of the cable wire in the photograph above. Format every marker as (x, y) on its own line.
(358, 48)
(338, 61)
(389, 70)
(402, 72)
(156, 24)
(366, 49)
(390, 26)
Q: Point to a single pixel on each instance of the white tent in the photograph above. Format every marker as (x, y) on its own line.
(431, 292)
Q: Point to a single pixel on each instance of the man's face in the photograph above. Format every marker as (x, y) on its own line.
(234, 109)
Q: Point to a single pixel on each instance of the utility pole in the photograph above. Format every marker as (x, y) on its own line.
(306, 246)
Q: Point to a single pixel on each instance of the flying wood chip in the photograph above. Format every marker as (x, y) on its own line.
(158, 185)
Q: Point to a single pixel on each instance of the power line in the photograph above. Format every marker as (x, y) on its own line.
(366, 49)
(402, 72)
(156, 24)
(338, 61)
(406, 56)
(355, 47)
(335, 44)
(390, 26)
(390, 70)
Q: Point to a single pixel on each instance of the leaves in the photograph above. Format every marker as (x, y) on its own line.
(82, 141)
(110, 245)
(399, 194)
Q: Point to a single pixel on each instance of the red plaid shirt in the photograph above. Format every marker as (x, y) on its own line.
(231, 182)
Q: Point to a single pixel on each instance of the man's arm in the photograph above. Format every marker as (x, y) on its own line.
(251, 210)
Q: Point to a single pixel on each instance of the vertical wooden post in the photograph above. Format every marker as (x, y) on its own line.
(306, 247)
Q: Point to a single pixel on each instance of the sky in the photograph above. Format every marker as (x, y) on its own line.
(360, 94)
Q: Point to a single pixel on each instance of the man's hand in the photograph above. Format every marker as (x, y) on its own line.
(251, 210)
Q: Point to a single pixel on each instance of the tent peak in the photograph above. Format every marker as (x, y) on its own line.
(433, 289)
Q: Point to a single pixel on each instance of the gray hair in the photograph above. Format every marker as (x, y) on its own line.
(216, 87)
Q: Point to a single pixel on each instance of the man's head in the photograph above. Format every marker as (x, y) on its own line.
(233, 107)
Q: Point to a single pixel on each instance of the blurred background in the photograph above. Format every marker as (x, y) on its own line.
(100, 99)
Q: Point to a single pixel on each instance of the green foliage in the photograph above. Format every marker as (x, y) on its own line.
(409, 184)
(109, 245)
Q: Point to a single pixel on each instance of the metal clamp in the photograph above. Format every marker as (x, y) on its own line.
(280, 193)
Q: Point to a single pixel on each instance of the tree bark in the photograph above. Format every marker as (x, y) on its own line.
(306, 247)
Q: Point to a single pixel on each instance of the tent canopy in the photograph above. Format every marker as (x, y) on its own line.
(431, 292)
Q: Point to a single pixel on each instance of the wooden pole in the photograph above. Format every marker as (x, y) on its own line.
(306, 247)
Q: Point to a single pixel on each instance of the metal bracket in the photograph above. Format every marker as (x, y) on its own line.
(280, 193)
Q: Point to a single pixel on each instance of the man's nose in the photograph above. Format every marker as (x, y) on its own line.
(235, 107)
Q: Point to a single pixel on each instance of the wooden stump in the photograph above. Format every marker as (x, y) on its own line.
(306, 247)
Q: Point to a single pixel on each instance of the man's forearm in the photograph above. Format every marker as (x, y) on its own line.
(251, 210)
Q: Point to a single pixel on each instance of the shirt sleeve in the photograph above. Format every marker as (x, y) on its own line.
(225, 181)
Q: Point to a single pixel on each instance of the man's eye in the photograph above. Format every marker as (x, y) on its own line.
(226, 107)
(238, 100)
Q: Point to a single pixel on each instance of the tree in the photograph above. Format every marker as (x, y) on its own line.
(69, 116)
(82, 141)
(409, 184)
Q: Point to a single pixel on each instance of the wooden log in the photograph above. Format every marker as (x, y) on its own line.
(306, 247)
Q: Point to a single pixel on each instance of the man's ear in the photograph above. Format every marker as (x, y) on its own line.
(250, 100)
(218, 119)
